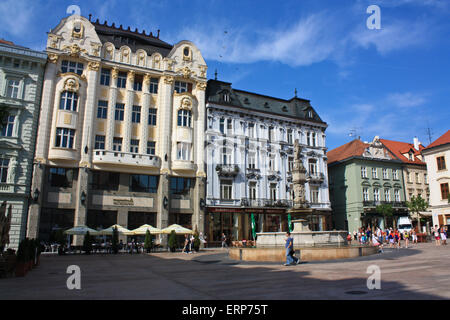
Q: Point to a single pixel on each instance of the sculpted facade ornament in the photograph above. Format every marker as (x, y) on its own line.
(130, 76)
(186, 72)
(115, 73)
(52, 58)
(78, 30)
(202, 73)
(168, 79)
(54, 40)
(94, 66)
(186, 103)
(71, 84)
(147, 78)
(201, 86)
(75, 50)
(95, 49)
(170, 63)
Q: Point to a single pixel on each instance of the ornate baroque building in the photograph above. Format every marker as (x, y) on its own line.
(21, 77)
(250, 143)
(121, 133)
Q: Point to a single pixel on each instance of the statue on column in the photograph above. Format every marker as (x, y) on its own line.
(299, 177)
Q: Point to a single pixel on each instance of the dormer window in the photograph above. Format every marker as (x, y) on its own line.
(226, 97)
(310, 114)
(266, 105)
(285, 109)
(186, 52)
(246, 101)
(411, 157)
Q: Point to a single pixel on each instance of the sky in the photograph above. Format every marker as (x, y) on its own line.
(391, 82)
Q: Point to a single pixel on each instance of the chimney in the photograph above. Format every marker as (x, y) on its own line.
(416, 143)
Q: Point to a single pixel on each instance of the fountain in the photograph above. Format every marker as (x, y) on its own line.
(311, 245)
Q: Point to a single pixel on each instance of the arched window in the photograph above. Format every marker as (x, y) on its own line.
(226, 156)
(69, 101)
(184, 118)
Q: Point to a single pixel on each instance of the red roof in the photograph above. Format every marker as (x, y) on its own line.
(351, 149)
(444, 139)
(397, 149)
(6, 42)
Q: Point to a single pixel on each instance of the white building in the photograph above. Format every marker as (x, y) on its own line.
(437, 157)
(250, 139)
(121, 132)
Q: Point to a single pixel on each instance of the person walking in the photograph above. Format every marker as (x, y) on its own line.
(443, 235)
(290, 258)
(224, 241)
(437, 235)
(414, 236)
(406, 237)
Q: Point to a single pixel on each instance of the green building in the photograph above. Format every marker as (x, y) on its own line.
(363, 176)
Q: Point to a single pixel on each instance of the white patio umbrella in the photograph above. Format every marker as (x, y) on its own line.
(81, 231)
(177, 228)
(120, 230)
(142, 230)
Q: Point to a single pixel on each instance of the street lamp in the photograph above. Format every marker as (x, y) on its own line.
(36, 195)
(165, 202)
(202, 204)
(83, 197)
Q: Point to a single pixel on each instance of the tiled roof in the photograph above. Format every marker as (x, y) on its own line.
(353, 148)
(397, 149)
(133, 39)
(444, 139)
(6, 42)
(295, 107)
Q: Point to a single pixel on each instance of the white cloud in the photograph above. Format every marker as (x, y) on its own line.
(16, 16)
(406, 100)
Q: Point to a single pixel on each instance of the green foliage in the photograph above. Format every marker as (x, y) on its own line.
(417, 204)
(115, 241)
(385, 210)
(148, 243)
(173, 241)
(87, 243)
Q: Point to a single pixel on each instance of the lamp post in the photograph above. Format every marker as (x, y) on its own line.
(83, 197)
(35, 195)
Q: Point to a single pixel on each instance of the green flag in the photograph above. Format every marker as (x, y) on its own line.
(253, 226)
(289, 222)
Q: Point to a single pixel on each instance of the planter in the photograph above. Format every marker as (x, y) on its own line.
(21, 270)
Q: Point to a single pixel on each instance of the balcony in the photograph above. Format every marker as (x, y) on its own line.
(273, 175)
(126, 158)
(227, 170)
(315, 177)
(394, 204)
(185, 165)
(253, 173)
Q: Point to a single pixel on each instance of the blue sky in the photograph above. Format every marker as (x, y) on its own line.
(393, 82)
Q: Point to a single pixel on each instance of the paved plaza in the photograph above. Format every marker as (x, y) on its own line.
(421, 272)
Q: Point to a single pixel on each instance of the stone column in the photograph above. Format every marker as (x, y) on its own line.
(122, 219)
(198, 218)
(165, 122)
(111, 110)
(162, 217)
(81, 207)
(35, 206)
(128, 111)
(144, 115)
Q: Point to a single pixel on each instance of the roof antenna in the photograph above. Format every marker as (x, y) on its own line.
(295, 92)
(90, 16)
(158, 34)
(215, 75)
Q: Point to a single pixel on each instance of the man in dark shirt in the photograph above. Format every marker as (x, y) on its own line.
(290, 259)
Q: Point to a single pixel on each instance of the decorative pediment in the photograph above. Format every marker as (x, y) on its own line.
(74, 50)
(387, 185)
(376, 184)
(71, 84)
(365, 183)
(9, 145)
(186, 72)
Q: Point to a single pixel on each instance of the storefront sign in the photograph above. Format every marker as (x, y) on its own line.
(123, 202)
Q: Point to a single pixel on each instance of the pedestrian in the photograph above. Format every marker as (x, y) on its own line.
(443, 235)
(377, 243)
(437, 235)
(349, 238)
(355, 235)
(290, 258)
(414, 236)
(191, 243)
(186, 244)
(406, 237)
(391, 239)
(397, 238)
(224, 241)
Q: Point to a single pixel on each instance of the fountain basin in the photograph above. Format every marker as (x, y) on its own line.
(301, 238)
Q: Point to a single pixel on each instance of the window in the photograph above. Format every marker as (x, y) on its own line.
(444, 191)
(289, 136)
(226, 156)
(151, 147)
(366, 194)
(222, 125)
(99, 143)
(395, 174)
(154, 85)
(105, 75)
(120, 108)
(72, 66)
(4, 164)
(122, 80)
(117, 144)
(273, 191)
(69, 101)
(108, 181)
(181, 186)
(251, 161)
(312, 166)
(229, 126)
(387, 195)
(183, 151)
(410, 177)
(137, 84)
(64, 138)
(144, 183)
(8, 127)
(13, 88)
(62, 177)
(136, 114)
(314, 142)
(290, 164)
(152, 117)
(252, 190)
(314, 194)
(396, 195)
(363, 172)
(184, 118)
(374, 173)
(425, 178)
(385, 174)
(376, 194)
(272, 162)
(271, 137)
(102, 109)
(134, 146)
(417, 178)
(308, 138)
(411, 157)
(181, 87)
(251, 130)
(441, 163)
(226, 189)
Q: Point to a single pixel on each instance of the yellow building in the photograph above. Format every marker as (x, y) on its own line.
(121, 130)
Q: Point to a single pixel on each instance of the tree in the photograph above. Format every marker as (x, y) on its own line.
(148, 243)
(385, 210)
(87, 243)
(416, 205)
(115, 241)
(173, 241)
